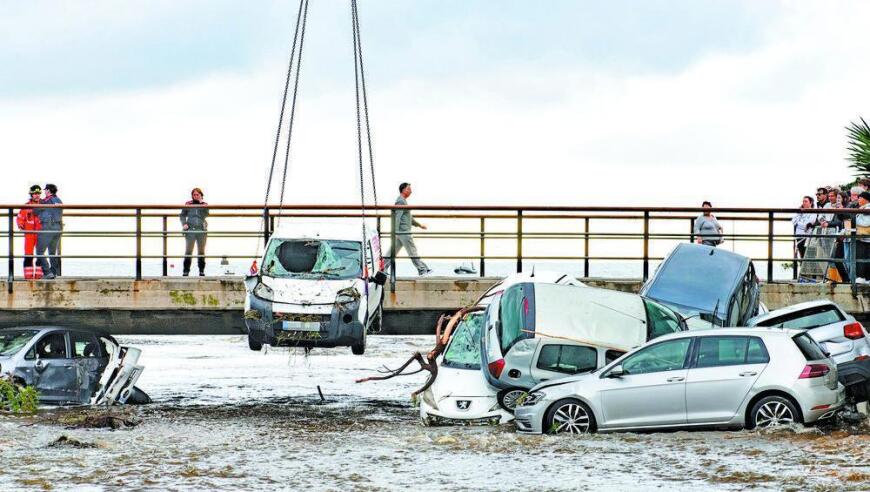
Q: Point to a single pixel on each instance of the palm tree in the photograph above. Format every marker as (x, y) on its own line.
(859, 147)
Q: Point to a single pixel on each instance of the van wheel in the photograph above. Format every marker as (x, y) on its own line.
(359, 348)
(507, 398)
(569, 416)
(255, 345)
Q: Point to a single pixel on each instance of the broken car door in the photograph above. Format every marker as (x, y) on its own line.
(56, 378)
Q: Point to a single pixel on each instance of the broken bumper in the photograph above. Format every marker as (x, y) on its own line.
(339, 328)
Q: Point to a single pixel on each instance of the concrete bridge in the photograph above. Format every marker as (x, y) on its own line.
(214, 305)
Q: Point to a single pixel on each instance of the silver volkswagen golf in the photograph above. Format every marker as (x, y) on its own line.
(731, 377)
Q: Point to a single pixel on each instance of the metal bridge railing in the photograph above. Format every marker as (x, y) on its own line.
(482, 234)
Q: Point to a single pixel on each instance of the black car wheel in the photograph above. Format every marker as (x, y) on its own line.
(569, 416)
(359, 348)
(507, 398)
(138, 397)
(253, 344)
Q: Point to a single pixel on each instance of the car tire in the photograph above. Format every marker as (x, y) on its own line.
(507, 398)
(773, 410)
(255, 345)
(571, 416)
(359, 348)
(138, 397)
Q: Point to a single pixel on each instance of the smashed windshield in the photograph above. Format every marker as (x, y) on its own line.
(464, 349)
(12, 341)
(313, 258)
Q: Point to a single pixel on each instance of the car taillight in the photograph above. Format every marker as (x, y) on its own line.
(814, 371)
(853, 331)
(496, 367)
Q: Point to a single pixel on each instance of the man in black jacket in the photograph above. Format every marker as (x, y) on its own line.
(195, 226)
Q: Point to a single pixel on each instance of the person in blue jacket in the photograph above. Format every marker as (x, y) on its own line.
(48, 242)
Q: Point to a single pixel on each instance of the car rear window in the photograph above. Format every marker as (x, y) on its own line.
(806, 319)
(808, 347)
(568, 359)
(515, 309)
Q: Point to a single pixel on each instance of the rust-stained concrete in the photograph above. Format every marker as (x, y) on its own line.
(202, 305)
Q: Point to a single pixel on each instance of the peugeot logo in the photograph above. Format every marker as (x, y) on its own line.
(463, 404)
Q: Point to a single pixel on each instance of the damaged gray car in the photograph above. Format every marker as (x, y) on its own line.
(71, 366)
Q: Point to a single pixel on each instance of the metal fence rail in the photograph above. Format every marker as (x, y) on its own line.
(471, 233)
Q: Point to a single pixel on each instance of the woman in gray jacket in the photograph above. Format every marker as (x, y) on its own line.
(707, 229)
(195, 226)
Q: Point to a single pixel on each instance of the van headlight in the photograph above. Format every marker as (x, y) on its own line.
(530, 399)
(265, 292)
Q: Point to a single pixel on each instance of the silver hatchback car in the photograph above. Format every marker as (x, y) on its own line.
(731, 377)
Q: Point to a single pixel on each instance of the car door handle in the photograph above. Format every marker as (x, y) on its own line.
(748, 373)
(676, 379)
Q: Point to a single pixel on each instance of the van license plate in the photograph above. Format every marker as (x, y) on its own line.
(301, 325)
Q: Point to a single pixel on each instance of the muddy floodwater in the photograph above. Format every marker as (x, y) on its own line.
(226, 418)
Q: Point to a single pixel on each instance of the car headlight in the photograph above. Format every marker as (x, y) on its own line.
(530, 399)
(263, 291)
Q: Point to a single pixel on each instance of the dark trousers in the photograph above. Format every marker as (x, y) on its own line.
(862, 252)
(47, 246)
(198, 237)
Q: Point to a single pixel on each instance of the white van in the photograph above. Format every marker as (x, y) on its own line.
(313, 289)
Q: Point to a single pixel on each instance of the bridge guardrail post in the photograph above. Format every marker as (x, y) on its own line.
(692, 231)
(11, 275)
(165, 247)
(392, 251)
(519, 241)
(853, 271)
(645, 245)
(770, 246)
(138, 244)
(586, 247)
(482, 247)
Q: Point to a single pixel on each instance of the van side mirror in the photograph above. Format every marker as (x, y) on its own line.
(616, 372)
(380, 278)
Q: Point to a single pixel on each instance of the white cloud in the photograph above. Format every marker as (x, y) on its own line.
(758, 128)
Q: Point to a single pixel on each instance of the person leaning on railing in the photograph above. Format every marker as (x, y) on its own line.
(862, 246)
(195, 226)
(803, 226)
(707, 229)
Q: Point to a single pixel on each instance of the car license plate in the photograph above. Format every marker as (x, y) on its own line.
(301, 325)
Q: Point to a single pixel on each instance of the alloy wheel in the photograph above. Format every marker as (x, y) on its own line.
(571, 418)
(773, 413)
(510, 399)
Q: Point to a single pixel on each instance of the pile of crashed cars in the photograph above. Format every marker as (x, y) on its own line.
(696, 348)
(71, 366)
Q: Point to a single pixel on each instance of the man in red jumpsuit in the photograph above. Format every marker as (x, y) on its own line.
(28, 221)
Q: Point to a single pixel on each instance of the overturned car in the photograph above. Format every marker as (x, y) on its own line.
(319, 286)
(71, 366)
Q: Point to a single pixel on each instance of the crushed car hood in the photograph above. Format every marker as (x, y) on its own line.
(306, 292)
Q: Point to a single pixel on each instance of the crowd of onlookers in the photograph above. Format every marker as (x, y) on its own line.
(838, 226)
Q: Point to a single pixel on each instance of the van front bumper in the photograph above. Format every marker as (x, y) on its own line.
(340, 328)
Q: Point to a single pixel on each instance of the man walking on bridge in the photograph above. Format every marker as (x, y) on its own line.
(403, 221)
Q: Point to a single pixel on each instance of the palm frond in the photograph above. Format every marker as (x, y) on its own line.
(859, 147)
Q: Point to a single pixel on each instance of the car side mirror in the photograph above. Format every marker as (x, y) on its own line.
(616, 372)
(380, 278)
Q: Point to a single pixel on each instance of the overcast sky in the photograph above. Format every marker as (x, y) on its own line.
(474, 102)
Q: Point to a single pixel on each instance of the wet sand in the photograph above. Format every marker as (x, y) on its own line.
(226, 418)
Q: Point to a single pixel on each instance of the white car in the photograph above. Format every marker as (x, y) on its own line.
(731, 377)
(313, 288)
(460, 394)
(838, 333)
(535, 332)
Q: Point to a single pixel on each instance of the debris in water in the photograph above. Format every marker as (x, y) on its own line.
(71, 442)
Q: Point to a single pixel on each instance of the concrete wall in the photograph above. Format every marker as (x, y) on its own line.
(214, 305)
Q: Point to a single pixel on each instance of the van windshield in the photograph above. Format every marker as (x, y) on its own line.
(12, 341)
(464, 349)
(313, 259)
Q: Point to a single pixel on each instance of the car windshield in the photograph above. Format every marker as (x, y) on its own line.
(661, 320)
(695, 282)
(312, 259)
(12, 341)
(464, 349)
